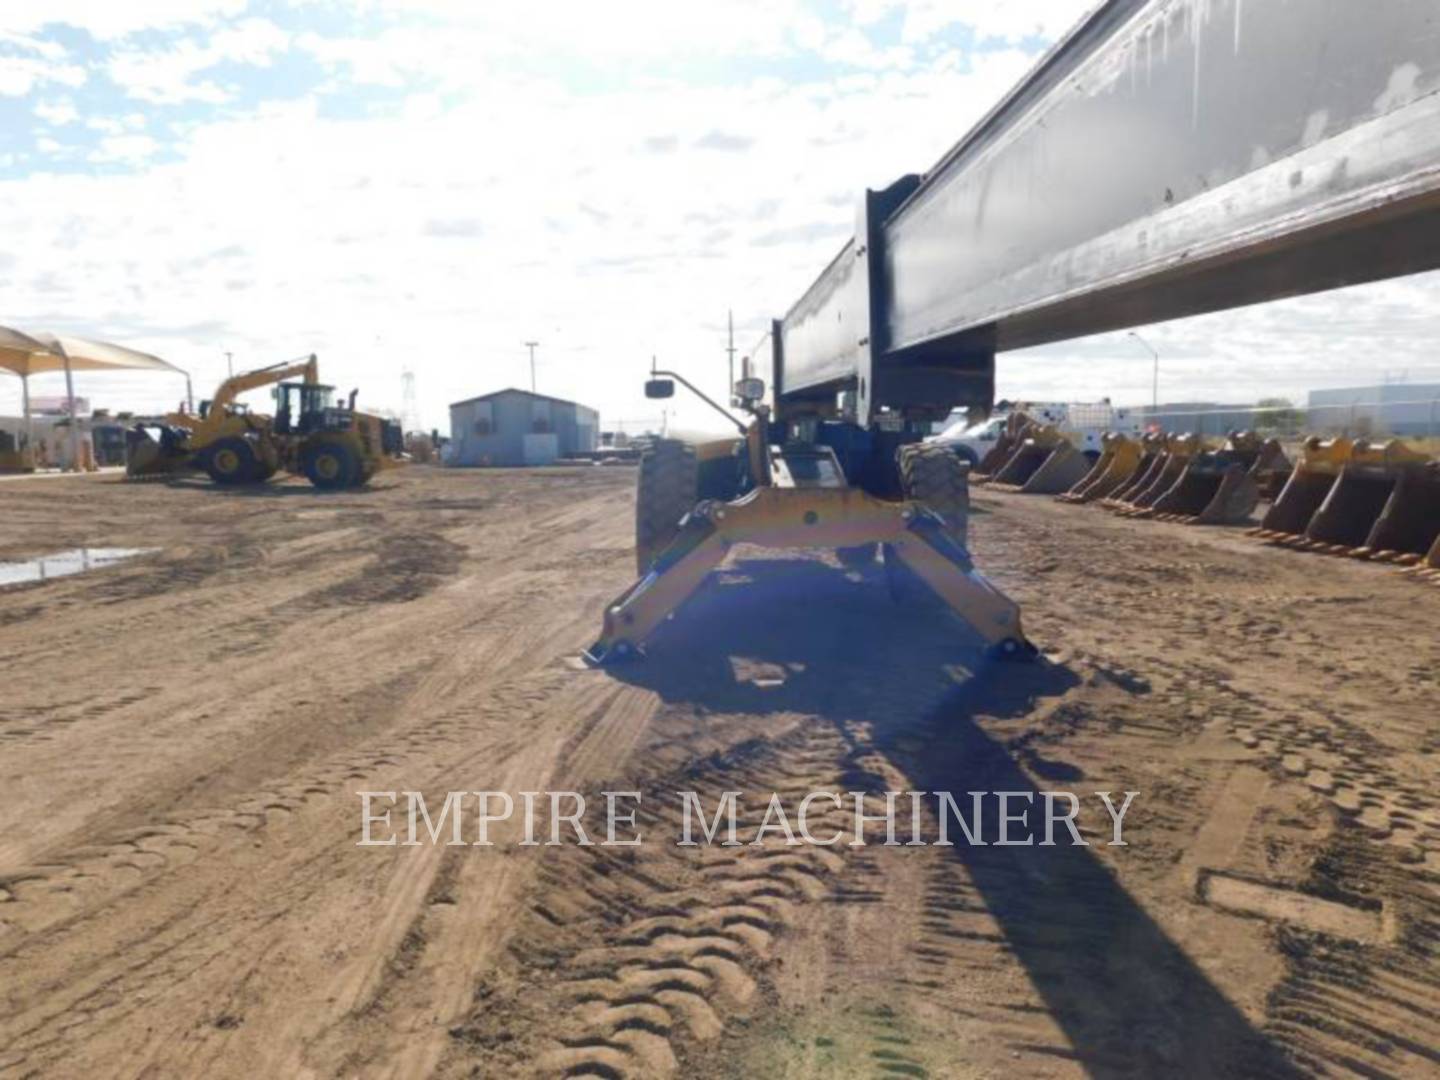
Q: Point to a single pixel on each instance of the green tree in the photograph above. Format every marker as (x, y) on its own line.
(1278, 414)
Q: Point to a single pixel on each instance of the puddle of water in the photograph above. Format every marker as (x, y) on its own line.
(65, 563)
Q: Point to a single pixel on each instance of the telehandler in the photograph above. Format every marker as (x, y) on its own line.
(800, 479)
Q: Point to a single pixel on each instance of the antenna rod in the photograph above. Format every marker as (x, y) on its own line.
(730, 348)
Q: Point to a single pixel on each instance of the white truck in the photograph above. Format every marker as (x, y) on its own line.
(1083, 423)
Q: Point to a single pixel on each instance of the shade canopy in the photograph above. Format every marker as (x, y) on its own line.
(31, 354)
(18, 351)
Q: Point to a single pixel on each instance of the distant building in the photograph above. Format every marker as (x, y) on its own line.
(516, 427)
(1393, 409)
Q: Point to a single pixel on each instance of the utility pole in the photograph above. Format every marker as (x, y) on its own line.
(532, 346)
(1155, 383)
(730, 349)
(230, 364)
(409, 411)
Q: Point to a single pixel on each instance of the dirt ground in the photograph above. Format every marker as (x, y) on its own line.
(182, 737)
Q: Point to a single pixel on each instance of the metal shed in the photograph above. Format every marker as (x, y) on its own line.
(516, 427)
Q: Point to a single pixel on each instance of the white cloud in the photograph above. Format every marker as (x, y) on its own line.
(19, 75)
(166, 76)
(991, 20)
(58, 113)
(108, 19)
(125, 149)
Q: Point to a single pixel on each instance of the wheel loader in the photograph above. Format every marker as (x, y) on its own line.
(332, 445)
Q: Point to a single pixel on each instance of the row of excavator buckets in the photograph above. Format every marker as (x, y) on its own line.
(1363, 499)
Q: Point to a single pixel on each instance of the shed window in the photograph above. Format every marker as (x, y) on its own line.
(540, 417)
(484, 418)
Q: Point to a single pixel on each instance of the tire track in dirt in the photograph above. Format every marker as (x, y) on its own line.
(635, 948)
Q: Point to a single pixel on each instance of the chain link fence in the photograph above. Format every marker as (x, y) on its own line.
(1414, 420)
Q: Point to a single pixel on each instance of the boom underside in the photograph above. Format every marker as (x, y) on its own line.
(1168, 158)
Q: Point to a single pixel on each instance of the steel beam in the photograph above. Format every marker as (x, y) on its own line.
(1168, 158)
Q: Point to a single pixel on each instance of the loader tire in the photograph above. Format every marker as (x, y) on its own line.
(232, 461)
(330, 466)
(667, 489)
(936, 477)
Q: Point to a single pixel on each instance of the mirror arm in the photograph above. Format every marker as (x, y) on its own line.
(718, 408)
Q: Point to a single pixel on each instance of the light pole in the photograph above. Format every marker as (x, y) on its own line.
(1155, 383)
(532, 346)
(730, 351)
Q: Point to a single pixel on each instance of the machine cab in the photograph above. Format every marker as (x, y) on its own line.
(305, 407)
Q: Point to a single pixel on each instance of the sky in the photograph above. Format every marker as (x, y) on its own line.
(425, 185)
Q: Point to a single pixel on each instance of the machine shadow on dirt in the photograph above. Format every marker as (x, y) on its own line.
(264, 491)
(1128, 997)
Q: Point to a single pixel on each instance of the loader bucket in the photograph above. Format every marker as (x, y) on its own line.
(156, 452)
(1306, 490)
(1409, 526)
(1116, 467)
(1356, 504)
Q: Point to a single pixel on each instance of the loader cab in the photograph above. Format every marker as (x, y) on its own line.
(302, 408)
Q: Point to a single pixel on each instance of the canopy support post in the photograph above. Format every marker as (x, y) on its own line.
(74, 420)
(25, 412)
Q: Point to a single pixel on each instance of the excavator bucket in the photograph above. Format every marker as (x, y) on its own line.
(1306, 490)
(1116, 466)
(1353, 510)
(1179, 449)
(1059, 472)
(1018, 428)
(1045, 464)
(1271, 470)
(1152, 452)
(1217, 487)
(158, 451)
(1429, 568)
(1214, 489)
(1409, 526)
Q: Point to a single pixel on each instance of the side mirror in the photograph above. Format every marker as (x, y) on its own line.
(750, 389)
(659, 388)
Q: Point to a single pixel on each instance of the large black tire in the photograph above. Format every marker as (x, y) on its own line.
(719, 478)
(933, 475)
(667, 490)
(330, 465)
(968, 456)
(232, 461)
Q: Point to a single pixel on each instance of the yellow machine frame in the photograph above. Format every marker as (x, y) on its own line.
(836, 516)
